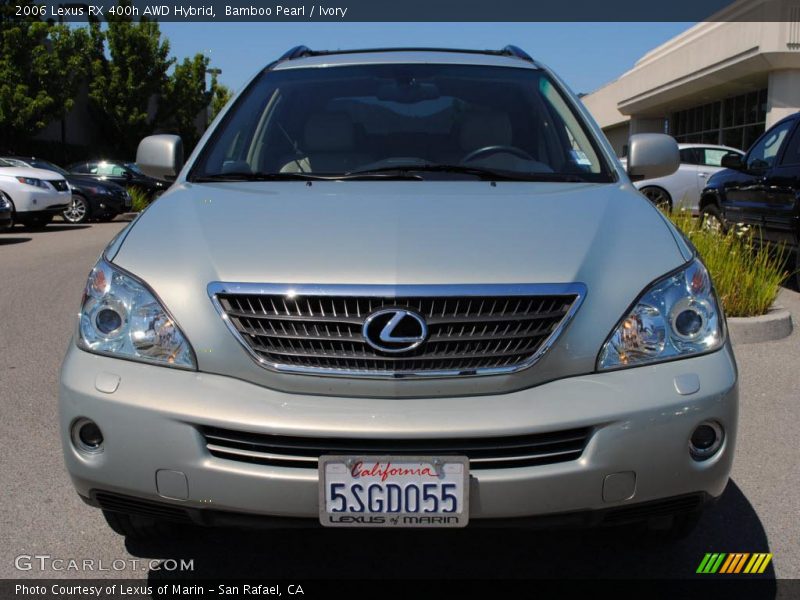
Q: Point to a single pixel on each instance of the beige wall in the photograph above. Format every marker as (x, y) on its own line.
(710, 61)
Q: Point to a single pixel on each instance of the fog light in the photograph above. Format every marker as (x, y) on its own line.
(86, 436)
(706, 440)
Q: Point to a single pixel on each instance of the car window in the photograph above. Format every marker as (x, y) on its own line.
(762, 155)
(792, 154)
(82, 168)
(712, 157)
(109, 169)
(689, 156)
(338, 120)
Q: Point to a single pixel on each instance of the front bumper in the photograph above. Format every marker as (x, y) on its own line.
(36, 201)
(640, 424)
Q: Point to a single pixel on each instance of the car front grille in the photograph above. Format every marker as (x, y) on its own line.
(484, 453)
(59, 184)
(471, 330)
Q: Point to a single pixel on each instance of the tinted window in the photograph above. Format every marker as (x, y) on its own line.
(792, 154)
(337, 120)
(689, 156)
(763, 154)
(81, 168)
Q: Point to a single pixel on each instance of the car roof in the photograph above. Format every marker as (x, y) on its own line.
(302, 57)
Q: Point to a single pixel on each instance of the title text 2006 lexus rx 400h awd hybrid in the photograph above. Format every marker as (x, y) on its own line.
(400, 288)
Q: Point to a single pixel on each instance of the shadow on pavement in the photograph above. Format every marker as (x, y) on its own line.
(729, 526)
(62, 227)
(7, 241)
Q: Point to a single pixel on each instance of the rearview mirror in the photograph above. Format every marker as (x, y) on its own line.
(652, 155)
(160, 156)
(732, 160)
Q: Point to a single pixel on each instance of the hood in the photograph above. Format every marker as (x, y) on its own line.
(606, 236)
(31, 172)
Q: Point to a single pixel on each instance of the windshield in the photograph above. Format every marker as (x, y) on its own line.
(134, 168)
(445, 121)
(48, 166)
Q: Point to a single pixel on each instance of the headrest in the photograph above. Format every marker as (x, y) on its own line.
(480, 129)
(328, 132)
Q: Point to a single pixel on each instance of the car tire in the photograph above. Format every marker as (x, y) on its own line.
(79, 210)
(37, 223)
(711, 219)
(137, 527)
(659, 197)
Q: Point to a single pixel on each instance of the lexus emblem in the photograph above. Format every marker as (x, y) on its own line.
(394, 330)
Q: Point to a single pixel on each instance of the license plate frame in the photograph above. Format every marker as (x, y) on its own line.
(400, 520)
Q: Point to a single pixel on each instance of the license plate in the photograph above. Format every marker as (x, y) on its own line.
(394, 491)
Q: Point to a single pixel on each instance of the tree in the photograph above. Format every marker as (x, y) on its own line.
(185, 99)
(129, 65)
(41, 66)
(222, 95)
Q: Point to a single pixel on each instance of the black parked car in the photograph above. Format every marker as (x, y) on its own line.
(91, 198)
(123, 173)
(762, 189)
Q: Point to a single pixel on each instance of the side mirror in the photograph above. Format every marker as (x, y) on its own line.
(652, 155)
(732, 160)
(160, 156)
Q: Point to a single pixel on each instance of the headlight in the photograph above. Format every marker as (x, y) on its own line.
(677, 316)
(121, 317)
(31, 181)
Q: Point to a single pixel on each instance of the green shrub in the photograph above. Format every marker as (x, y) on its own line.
(746, 274)
(139, 199)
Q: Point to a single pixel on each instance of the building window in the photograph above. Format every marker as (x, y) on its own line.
(735, 122)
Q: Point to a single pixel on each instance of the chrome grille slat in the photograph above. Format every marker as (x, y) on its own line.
(484, 453)
(472, 329)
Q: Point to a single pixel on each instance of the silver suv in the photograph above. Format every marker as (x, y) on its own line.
(400, 288)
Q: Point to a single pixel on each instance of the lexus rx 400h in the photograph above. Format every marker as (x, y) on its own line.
(400, 288)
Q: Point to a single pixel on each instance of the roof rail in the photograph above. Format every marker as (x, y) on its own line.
(511, 50)
(296, 52)
(302, 51)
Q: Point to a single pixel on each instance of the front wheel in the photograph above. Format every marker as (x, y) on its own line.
(36, 223)
(78, 210)
(711, 219)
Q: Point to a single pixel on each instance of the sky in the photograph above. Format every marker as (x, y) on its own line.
(585, 55)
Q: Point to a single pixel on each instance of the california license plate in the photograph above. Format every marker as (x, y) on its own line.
(394, 491)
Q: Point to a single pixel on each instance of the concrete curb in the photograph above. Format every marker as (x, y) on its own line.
(774, 325)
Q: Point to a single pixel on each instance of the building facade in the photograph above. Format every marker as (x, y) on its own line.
(722, 82)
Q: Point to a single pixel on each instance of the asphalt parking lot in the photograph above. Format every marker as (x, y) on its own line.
(41, 278)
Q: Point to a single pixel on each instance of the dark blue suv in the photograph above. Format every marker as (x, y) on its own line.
(762, 189)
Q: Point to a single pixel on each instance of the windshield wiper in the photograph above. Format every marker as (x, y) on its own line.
(247, 176)
(481, 173)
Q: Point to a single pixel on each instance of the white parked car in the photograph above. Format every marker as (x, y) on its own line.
(36, 195)
(681, 190)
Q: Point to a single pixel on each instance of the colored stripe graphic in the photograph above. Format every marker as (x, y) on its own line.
(724, 563)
